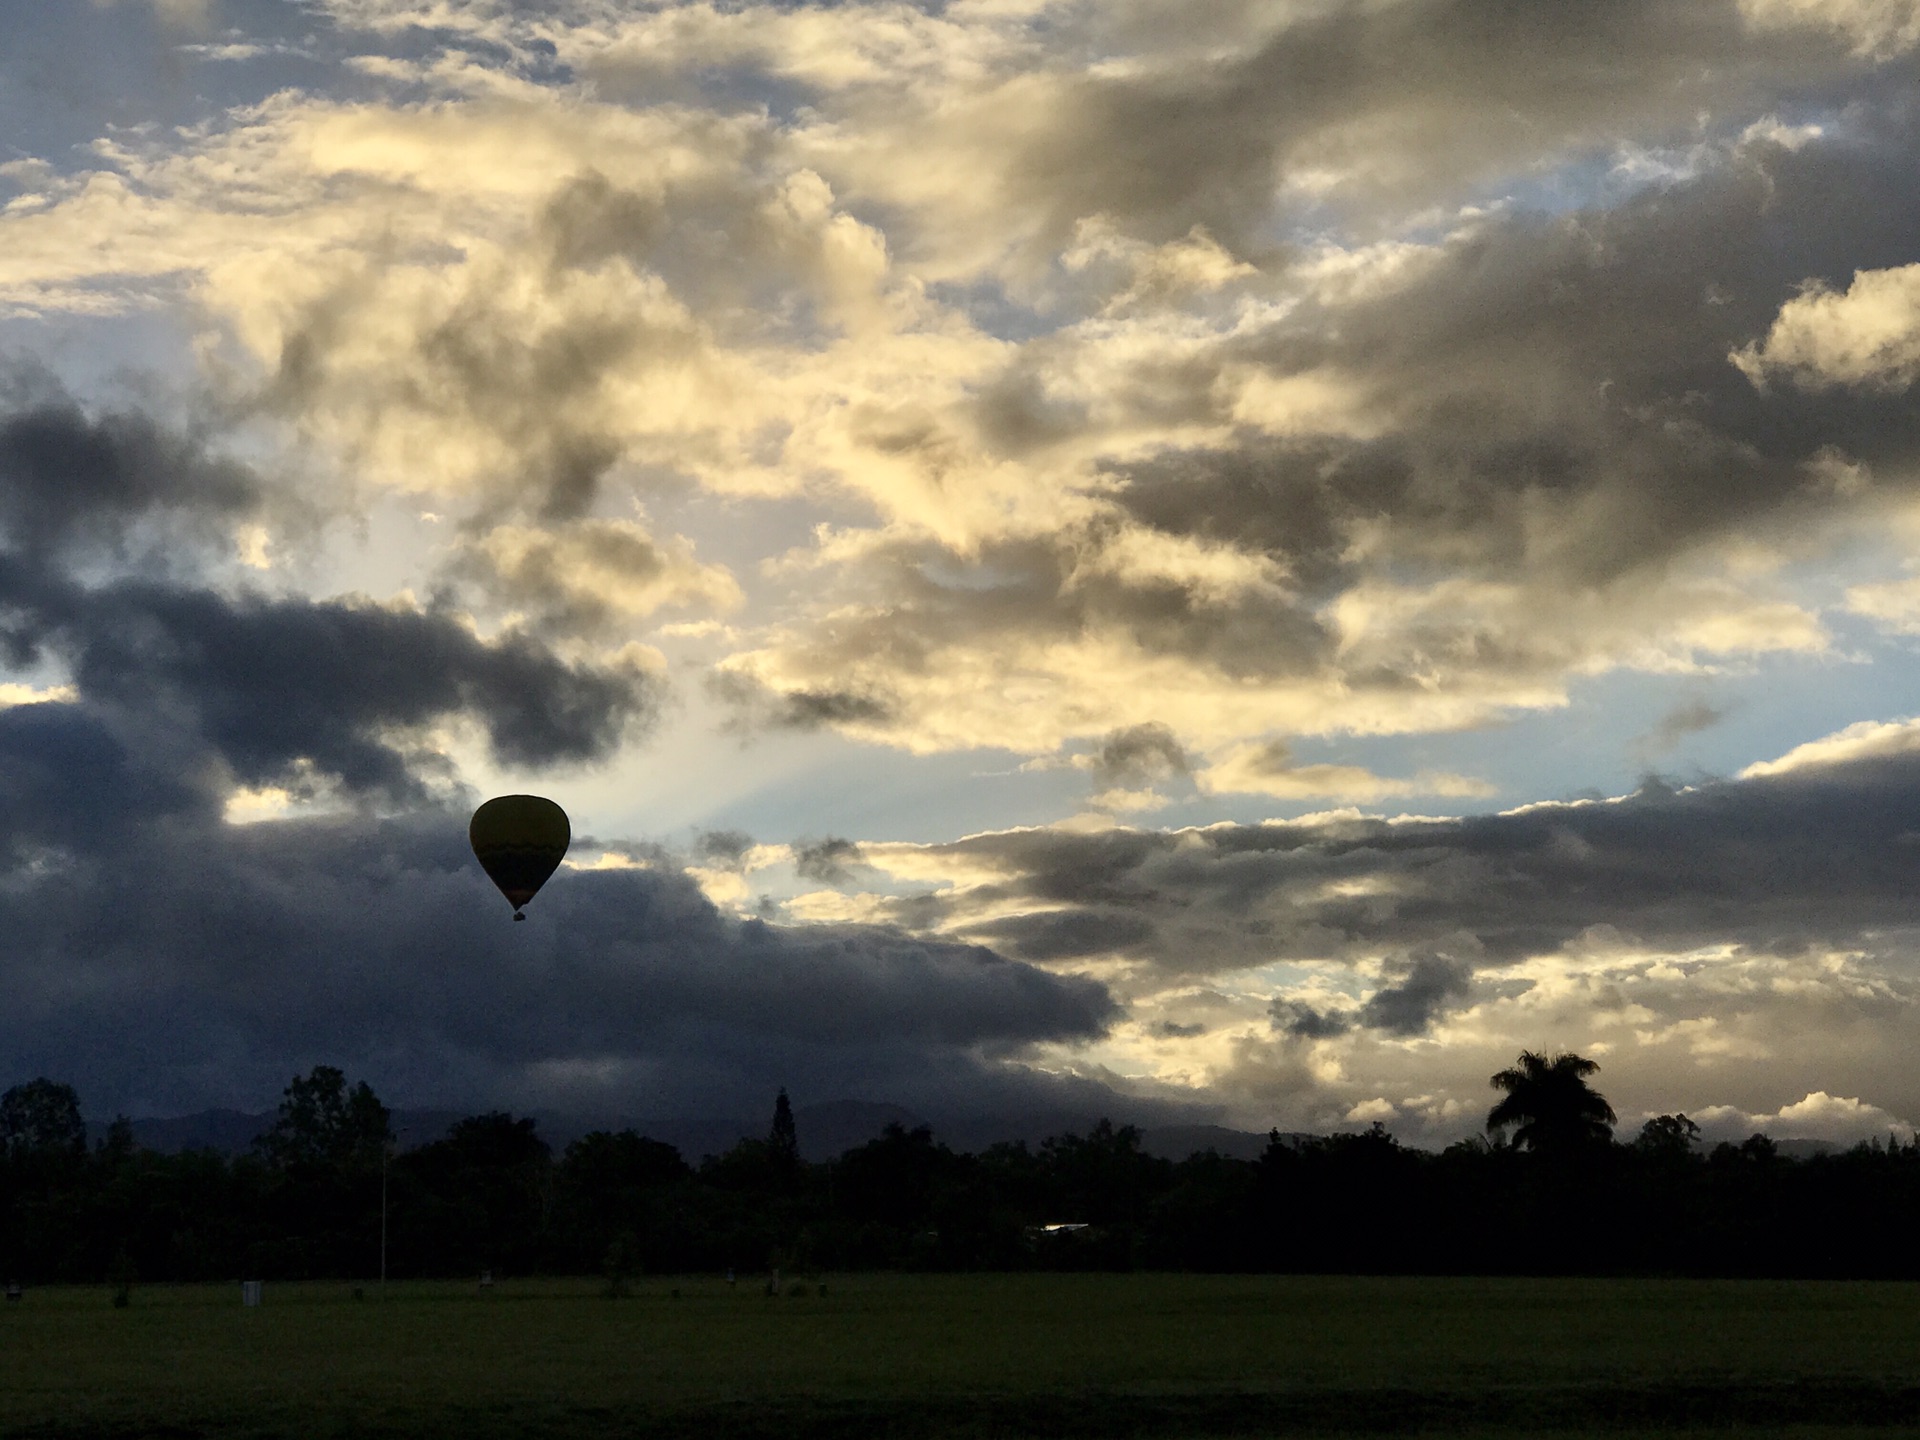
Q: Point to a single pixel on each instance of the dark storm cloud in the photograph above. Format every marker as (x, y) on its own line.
(1408, 1006)
(1284, 500)
(266, 684)
(1818, 856)
(1062, 935)
(171, 960)
(160, 957)
(70, 481)
(270, 684)
(325, 681)
(67, 783)
(1304, 1022)
(1574, 370)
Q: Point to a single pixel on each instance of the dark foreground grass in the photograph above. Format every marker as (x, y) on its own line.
(905, 1357)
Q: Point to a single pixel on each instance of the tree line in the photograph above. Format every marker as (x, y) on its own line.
(1548, 1190)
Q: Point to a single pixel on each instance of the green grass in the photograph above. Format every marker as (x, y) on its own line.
(905, 1356)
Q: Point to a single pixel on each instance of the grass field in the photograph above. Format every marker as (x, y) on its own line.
(905, 1356)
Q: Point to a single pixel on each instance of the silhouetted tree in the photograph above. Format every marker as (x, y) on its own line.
(1102, 1177)
(43, 1149)
(1754, 1150)
(890, 1181)
(321, 1200)
(323, 1124)
(1200, 1223)
(476, 1199)
(1549, 1101)
(1670, 1135)
(608, 1183)
(42, 1118)
(604, 1163)
(116, 1147)
(489, 1194)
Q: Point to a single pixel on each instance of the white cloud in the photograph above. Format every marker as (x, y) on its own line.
(1863, 740)
(580, 572)
(14, 693)
(1867, 335)
(1820, 1116)
(1893, 604)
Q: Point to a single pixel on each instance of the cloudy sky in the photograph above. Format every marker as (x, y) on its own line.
(1241, 561)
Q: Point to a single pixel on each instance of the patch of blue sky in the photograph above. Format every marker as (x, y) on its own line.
(1284, 977)
(1597, 179)
(70, 73)
(1605, 741)
(1621, 727)
(993, 311)
(1590, 178)
(115, 358)
(785, 786)
(748, 88)
(745, 534)
(1603, 177)
(731, 87)
(44, 673)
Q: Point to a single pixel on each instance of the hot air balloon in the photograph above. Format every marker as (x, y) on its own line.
(519, 841)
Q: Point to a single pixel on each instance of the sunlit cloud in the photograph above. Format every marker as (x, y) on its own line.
(1845, 1120)
(1867, 740)
(1868, 334)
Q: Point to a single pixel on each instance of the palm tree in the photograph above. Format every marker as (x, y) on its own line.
(1549, 1099)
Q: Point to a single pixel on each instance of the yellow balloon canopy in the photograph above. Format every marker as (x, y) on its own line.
(519, 841)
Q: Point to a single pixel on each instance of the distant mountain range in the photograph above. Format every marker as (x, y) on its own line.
(825, 1131)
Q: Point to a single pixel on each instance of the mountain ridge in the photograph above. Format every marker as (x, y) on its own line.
(826, 1130)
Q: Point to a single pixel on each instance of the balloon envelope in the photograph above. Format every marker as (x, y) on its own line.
(519, 841)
